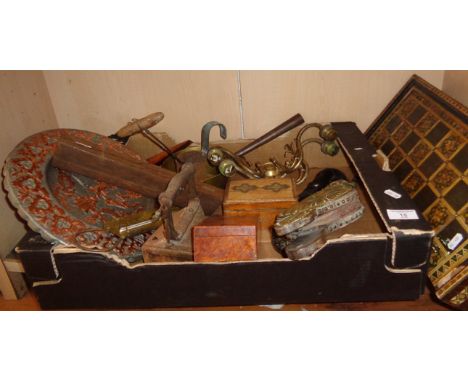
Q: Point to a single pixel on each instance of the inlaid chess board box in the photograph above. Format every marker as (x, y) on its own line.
(423, 132)
(382, 256)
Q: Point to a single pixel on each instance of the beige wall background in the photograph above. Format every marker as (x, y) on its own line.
(25, 109)
(249, 103)
(456, 84)
(104, 101)
(269, 97)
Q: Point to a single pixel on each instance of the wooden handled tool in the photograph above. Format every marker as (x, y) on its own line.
(137, 125)
(142, 125)
(291, 123)
(286, 126)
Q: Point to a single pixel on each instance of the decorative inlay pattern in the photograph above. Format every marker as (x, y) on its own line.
(433, 172)
(274, 187)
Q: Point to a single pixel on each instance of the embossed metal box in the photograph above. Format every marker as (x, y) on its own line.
(264, 198)
(225, 238)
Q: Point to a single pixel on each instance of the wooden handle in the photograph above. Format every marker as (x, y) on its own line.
(136, 125)
(158, 158)
(290, 124)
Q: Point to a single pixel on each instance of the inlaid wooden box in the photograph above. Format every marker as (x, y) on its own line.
(424, 135)
(264, 198)
(225, 238)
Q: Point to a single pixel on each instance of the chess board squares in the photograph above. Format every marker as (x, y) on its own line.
(401, 132)
(437, 133)
(420, 151)
(452, 123)
(426, 123)
(407, 106)
(460, 160)
(445, 178)
(387, 147)
(457, 196)
(431, 165)
(461, 128)
(393, 123)
(413, 183)
(379, 137)
(437, 215)
(409, 142)
(425, 198)
(395, 158)
(402, 171)
(450, 144)
(417, 114)
(428, 154)
(447, 234)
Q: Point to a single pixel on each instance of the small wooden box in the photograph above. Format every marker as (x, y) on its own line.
(264, 198)
(221, 238)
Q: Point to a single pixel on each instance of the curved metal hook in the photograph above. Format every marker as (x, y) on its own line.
(205, 135)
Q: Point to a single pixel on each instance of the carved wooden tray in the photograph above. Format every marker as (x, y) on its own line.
(59, 204)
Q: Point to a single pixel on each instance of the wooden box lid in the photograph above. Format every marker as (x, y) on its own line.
(267, 193)
(214, 226)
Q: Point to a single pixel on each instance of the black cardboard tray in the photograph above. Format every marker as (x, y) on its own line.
(368, 267)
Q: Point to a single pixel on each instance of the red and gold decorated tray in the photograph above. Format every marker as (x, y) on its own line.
(59, 204)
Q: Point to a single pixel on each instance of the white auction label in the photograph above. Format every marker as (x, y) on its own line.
(393, 194)
(402, 214)
(457, 239)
